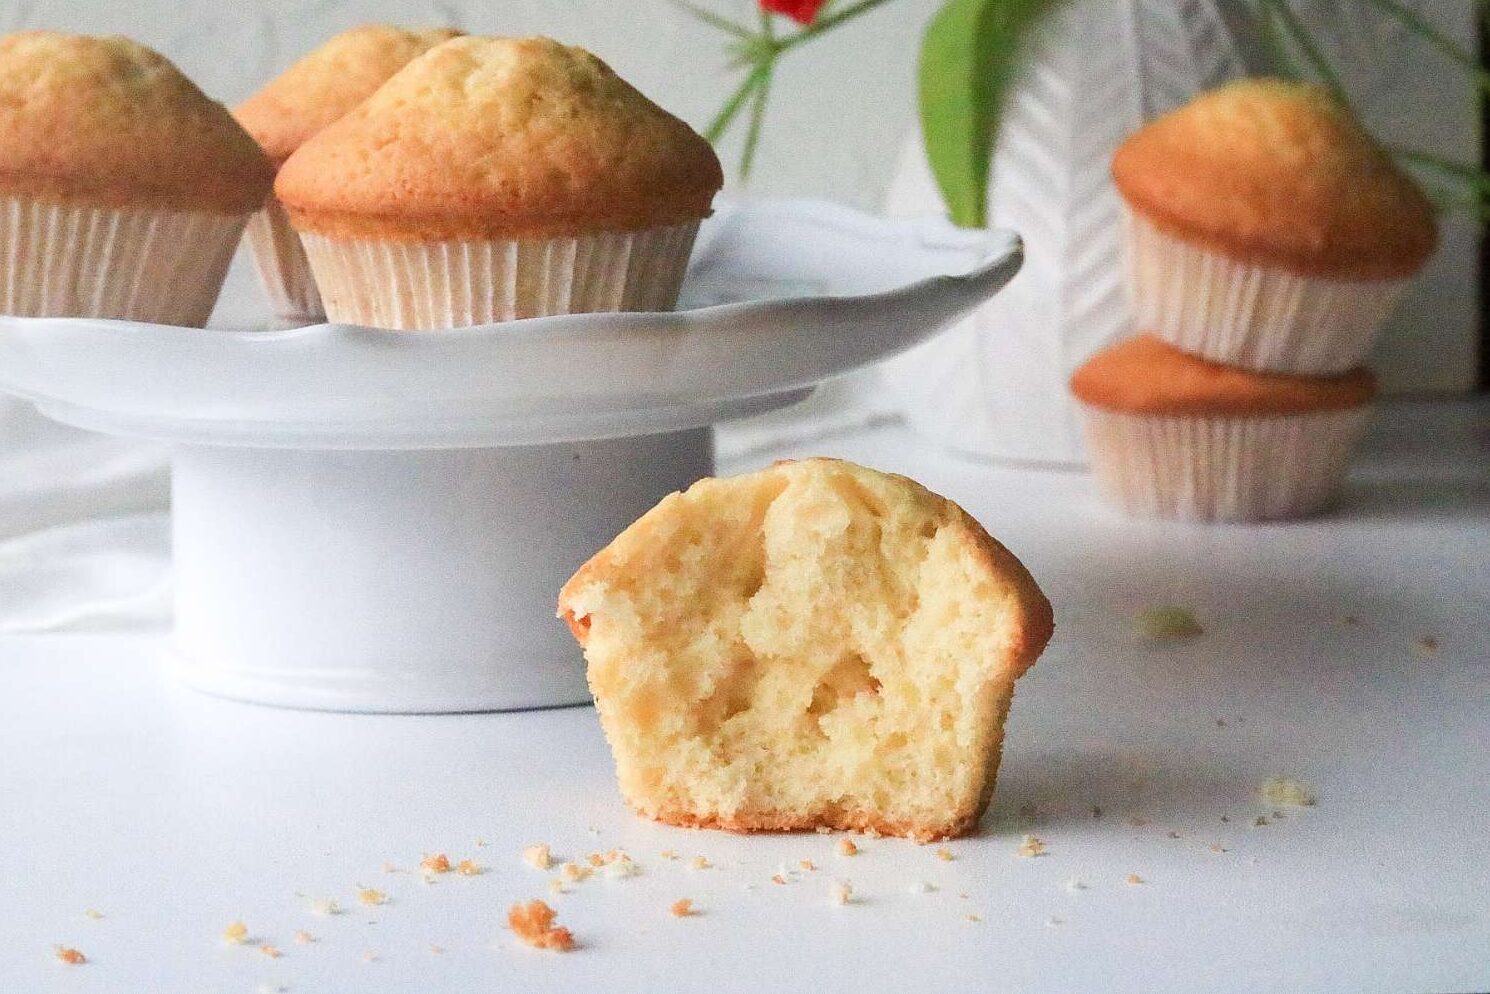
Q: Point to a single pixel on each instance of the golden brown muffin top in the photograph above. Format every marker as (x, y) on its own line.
(1146, 376)
(1278, 173)
(500, 138)
(329, 81)
(108, 121)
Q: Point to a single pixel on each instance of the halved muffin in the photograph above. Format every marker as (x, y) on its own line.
(816, 644)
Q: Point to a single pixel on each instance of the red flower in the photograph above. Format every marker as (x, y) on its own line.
(801, 11)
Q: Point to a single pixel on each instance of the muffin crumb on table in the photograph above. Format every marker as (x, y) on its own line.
(533, 923)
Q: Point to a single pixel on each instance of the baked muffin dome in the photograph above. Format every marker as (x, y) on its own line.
(110, 122)
(329, 81)
(813, 645)
(500, 138)
(1278, 173)
(1144, 375)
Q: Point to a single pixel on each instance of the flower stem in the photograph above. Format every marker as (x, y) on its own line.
(757, 117)
(1419, 25)
(733, 105)
(1310, 49)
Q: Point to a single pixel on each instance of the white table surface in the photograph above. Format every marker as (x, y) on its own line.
(174, 814)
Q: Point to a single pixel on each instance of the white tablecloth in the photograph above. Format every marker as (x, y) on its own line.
(84, 537)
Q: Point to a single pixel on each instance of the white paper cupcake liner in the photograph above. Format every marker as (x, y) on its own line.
(1249, 315)
(1221, 468)
(283, 267)
(411, 285)
(74, 260)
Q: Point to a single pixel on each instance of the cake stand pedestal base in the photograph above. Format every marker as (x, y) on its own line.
(401, 581)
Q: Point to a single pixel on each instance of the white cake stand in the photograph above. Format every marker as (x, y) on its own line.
(369, 520)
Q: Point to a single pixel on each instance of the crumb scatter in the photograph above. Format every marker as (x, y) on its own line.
(436, 863)
(847, 847)
(236, 933)
(371, 896)
(681, 908)
(538, 856)
(70, 956)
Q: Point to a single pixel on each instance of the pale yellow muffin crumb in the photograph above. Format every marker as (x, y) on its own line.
(538, 856)
(1032, 846)
(807, 865)
(972, 918)
(668, 854)
(842, 892)
(945, 855)
(1287, 791)
(700, 863)
(1133, 879)
(325, 907)
(93, 913)
(371, 896)
(235, 933)
(847, 847)
(304, 938)
(469, 868)
(573, 872)
(1168, 621)
(778, 879)
(271, 951)
(533, 923)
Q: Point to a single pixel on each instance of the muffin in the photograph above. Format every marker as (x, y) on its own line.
(124, 188)
(815, 645)
(1267, 229)
(499, 178)
(323, 86)
(1173, 435)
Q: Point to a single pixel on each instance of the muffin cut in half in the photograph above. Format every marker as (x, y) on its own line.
(1268, 229)
(318, 89)
(812, 645)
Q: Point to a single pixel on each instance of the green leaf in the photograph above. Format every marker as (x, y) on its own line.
(969, 58)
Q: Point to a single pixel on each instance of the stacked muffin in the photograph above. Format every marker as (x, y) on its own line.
(314, 92)
(1269, 237)
(123, 189)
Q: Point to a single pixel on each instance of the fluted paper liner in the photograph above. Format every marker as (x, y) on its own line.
(414, 285)
(283, 268)
(1221, 468)
(1249, 315)
(137, 264)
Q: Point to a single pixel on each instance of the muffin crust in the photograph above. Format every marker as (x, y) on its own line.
(1146, 376)
(328, 82)
(109, 122)
(484, 138)
(1278, 173)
